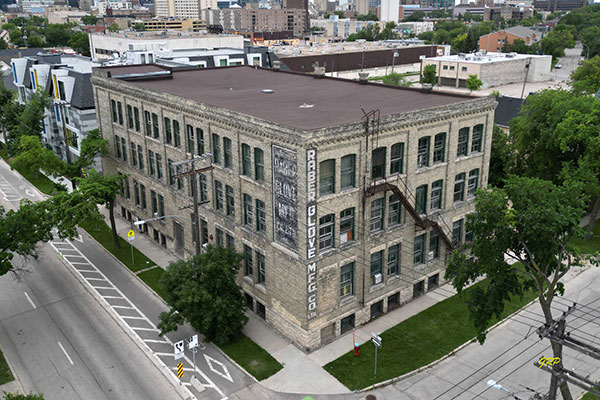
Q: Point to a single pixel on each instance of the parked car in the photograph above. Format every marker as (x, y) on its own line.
(558, 66)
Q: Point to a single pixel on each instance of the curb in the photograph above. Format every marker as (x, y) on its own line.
(146, 351)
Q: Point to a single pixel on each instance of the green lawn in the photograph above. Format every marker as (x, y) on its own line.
(592, 245)
(413, 343)
(5, 374)
(590, 396)
(252, 357)
(151, 277)
(103, 234)
(44, 184)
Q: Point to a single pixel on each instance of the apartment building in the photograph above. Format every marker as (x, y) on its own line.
(161, 24)
(342, 215)
(71, 115)
(257, 20)
(494, 42)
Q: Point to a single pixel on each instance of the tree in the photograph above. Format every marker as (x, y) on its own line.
(89, 20)
(35, 40)
(3, 45)
(32, 156)
(367, 17)
(395, 79)
(114, 27)
(429, 75)
(473, 83)
(586, 78)
(7, 99)
(31, 396)
(80, 42)
(388, 32)
(29, 120)
(416, 16)
(103, 189)
(139, 27)
(426, 36)
(591, 38)
(500, 157)
(58, 34)
(91, 146)
(529, 221)
(555, 42)
(204, 292)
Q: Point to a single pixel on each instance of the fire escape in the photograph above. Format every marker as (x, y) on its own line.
(400, 187)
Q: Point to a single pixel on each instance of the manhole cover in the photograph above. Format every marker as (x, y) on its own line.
(371, 397)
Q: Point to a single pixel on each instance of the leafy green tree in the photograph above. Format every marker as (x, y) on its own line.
(3, 45)
(395, 79)
(426, 36)
(7, 100)
(9, 26)
(586, 78)
(416, 16)
(32, 156)
(442, 36)
(473, 83)
(369, 33)
(500, 157)
(388, 32)
(367, 17)
(31, 396)
(80, 42)
(555, 42)
(91, 146)
(103, 189)
(29, 120)
(529, 221)
(16, 38)
(591, 38)
(204, 292)
(35, 40)
(89, 20)
(114, 27)
(429, 75)
(58, 34)
(139, 27)
(518, 46)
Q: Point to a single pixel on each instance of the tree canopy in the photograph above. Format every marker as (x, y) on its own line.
(429, 75)
(473, 82)
(586, 78)
(203, 290)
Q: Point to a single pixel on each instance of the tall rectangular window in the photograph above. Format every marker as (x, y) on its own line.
(216, 148)
(151, 162)
(421, 199)
(246, 160)
(136, 117)
(124, 148)
(248, 270)
(327, 177)
(419, 252)
(261, 223)
(477, 137)
(348, 178)
(395, 211)
(191, 141)
(218, 196)
(176, 134)
(136, 192)
(259, 165)
(141, 157)
(347, 225)
(423, 152)
(155, 125)
(148, 123)
(248, 211)
(439, 148)
(220, 237)
(347, 280)
(230, 241)
(168, 134)
(203, 231)
(159, 167)
(120, 109)
(171, 171)
(378, 160)
(463, 142)
(434, 245)
(227, 156)
(457, 232)
(436, 194)
(377, 214)
(230, 200)
(129, 116)
(179, 171)
(376, 265)
(326, 232)
(113, 104)
(200, 141)
(473, 182)
(393, 266)
(459, 187)
(260, 262)
(161, 206)
(118, 145)
(133, 154)
(154, 202)
(143, 196)
(397, 158)
(203, 188)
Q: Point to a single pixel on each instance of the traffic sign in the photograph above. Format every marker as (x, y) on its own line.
(178, 349)
(131, 235)
(192, 342)
(180, 370)
(376, 339)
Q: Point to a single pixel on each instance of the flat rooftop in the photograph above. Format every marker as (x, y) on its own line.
(478, 58)
(297, 100)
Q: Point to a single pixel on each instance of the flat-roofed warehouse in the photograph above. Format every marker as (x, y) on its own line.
(345, 197)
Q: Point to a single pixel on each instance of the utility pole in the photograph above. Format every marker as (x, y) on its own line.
(526, 74)
(192, 172)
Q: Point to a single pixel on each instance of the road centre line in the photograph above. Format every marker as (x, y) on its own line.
(64, 351)
(30, 301)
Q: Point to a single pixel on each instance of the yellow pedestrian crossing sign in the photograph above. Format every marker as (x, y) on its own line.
(180, 370)
(131, 235)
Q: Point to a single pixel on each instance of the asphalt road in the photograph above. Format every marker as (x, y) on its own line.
(568, 64)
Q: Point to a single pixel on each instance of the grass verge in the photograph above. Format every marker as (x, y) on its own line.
(252, 357)
(103, 234)
(590, 246)
(591, 396)
(413, 343)
(5, 374)
(152, 277)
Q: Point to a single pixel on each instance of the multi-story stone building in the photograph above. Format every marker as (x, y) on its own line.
(343, 196)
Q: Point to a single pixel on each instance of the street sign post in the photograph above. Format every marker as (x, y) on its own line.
(376, 339)
(130, 237)
(178, 349)
(192, 342)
